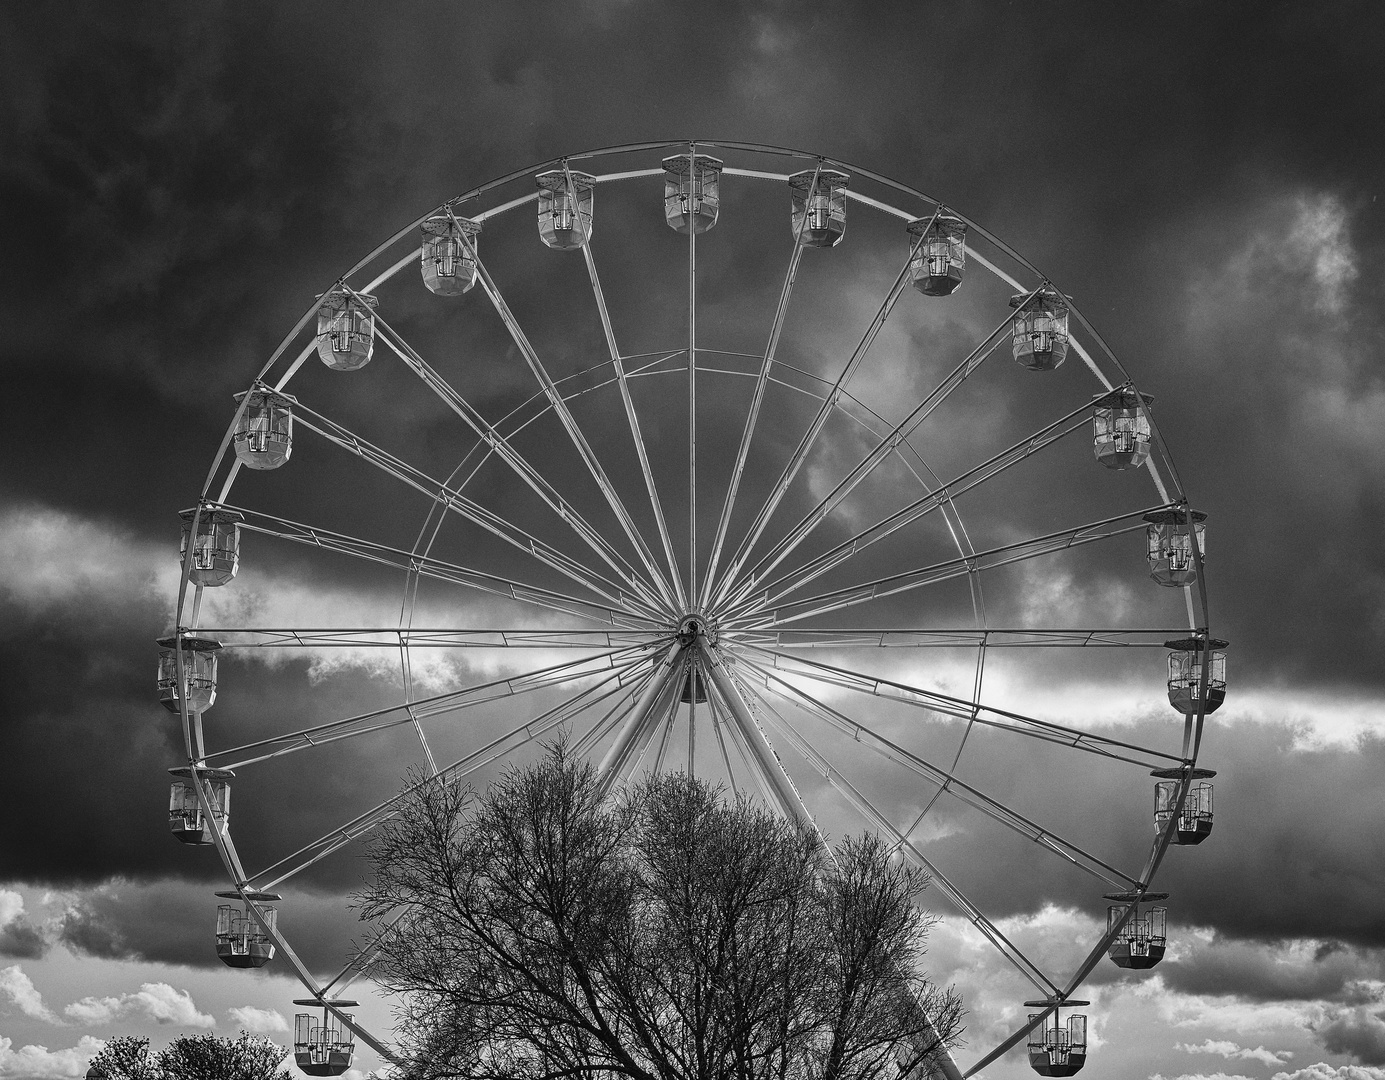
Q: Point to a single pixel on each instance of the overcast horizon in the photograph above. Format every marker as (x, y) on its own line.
(1203, 181)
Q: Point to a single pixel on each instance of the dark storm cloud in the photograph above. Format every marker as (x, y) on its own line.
(178, 189)
(22, 940)
(1259, 971)
(1358, 1032)
(178, 186)
(1296, 851)
(173, 922)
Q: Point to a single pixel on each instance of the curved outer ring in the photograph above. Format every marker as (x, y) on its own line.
(191, 722)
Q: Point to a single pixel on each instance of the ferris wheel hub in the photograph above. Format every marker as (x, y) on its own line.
(695, 628)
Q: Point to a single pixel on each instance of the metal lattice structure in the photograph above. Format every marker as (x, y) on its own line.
(690, 586)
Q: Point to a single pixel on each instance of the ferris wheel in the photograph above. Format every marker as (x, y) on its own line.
(798, 511)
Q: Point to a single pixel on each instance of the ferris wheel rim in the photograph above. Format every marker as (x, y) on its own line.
(228, 851)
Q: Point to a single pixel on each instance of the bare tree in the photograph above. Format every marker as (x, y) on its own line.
(668, 933)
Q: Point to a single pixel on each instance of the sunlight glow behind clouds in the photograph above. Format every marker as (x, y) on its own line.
(49, 558)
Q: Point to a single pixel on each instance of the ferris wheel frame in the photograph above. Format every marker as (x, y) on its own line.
(647, 605)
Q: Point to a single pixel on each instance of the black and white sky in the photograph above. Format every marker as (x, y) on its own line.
(178, 182)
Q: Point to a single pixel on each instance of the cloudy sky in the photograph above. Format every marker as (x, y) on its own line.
(179, 183)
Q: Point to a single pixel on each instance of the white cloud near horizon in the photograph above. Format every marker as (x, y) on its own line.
(1230, 1050)
(23, 995)
(34, 1062)
(1323, 1071)
(255, 1019)
(158, 1001)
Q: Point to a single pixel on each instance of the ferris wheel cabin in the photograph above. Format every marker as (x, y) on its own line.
(565, 208)
(449, 254)
(263, 436)
(1195, 817)
(819, 207)
(346, 329)
(185, 817)
(1171, 560)
(241, 941)
(1039, 330)
(692, 192)
(216, 547)
(323, 1046)
(1142, 941)
(1120, 428)
(199, 668)
(1055, 1048)
(940, 255)
(1186, 676)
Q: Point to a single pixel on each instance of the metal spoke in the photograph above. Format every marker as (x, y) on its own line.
(425, 708)
(360, 963)
(758, 397)
(872, 814)
(960, 637)
(661, 720)
(634, 421)
(757, 703)
(918, 508)
(768, 768)
(947, 781)
(664, 740)
(692, 402)
(665, 703)
(695, 679)
(453, 500)
(607, 723)
(618, 754)
(809, 438)
(887, 445)
(768, 611)
(512, 740)
(262, 637)
(328, 540)
(805, 444)
(947, 705)
(714, 711)
(502, 448)
(565, 417)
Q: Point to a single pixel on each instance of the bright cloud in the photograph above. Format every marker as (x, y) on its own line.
(18, 937)
(1230, 1050)
(11, 906)
(1203, 1076)
(23, 995)
(1320, 238)
(252, 1019)
(51, 558)
(48, 557)
(157, 1001)
(40, 1063)
(1227, 1014)
(1323, 1071)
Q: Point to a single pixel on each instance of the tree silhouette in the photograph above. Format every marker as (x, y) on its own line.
(665, 934)
(192, 1057)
